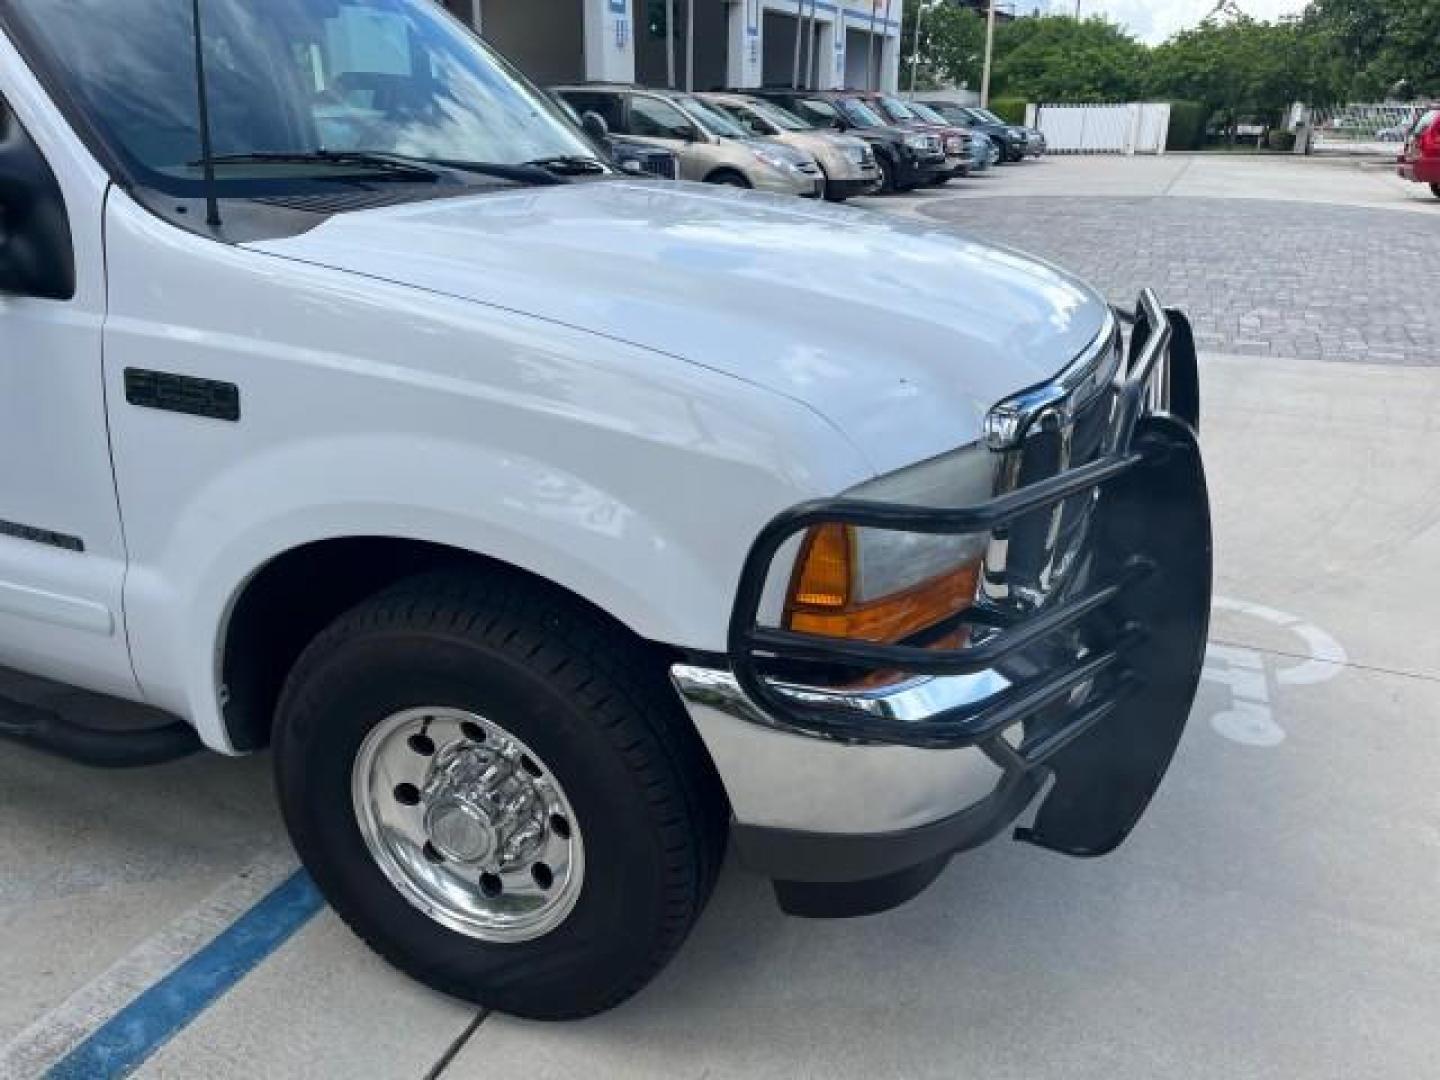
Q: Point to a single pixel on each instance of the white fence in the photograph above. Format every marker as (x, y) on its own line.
(1103, 129)
(1362, 129)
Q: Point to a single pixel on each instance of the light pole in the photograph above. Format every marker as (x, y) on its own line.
(870, 47)
(915, 46)
(989, 56)
(690, 46)
(670, 44)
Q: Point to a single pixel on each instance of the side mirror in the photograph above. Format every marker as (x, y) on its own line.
(595, 126)
(37, 257)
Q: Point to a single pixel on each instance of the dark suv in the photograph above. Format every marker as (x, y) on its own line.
(953, 137)
(1012, 140)
(907, 158)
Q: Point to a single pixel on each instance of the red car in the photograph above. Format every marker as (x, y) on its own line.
(1421, 160)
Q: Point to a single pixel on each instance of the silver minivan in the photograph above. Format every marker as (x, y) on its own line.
(711, 147)
(847, 164)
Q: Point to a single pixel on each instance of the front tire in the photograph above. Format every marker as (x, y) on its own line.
(498, 791)
(728, 178)
(889, 184)
(1435, 190)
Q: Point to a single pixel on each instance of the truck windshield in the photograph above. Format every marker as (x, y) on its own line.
(292, 84)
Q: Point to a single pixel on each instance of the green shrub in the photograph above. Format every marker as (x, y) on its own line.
(1011, 110)
(1283, 141)
(1187, 125)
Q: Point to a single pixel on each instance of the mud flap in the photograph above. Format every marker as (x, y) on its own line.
(1160, 512)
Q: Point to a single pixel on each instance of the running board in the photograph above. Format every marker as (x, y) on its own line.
(89, 728)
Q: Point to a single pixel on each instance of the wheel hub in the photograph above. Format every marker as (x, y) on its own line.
(482, 808)
(468, 824)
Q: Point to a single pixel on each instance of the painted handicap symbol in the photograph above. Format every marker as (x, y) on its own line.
(1247, 673)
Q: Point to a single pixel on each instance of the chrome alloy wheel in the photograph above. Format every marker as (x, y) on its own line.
(469, 824)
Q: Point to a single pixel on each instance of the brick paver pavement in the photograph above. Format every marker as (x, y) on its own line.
(1258, 278)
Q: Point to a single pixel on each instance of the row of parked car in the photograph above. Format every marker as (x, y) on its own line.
(830, 144)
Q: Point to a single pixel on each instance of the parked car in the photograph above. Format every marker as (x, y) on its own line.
(552, 527)
(1035, 144)
(847, 164)
(634, 156)
(1013, 142)
(710, 146)
(1420, 160)
(629, 155)
(907, 158)
(983, 152)
(954, 139)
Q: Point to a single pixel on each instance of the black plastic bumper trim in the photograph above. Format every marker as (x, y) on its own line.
(834, 858)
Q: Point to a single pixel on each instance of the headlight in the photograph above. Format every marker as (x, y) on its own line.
(879, 585)
(916, 141)
(771, 158)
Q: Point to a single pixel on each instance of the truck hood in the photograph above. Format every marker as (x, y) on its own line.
(902, 335)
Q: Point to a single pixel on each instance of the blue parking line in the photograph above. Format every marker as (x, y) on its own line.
(150, 1021)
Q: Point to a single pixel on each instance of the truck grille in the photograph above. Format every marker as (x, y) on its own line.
(1039, 554)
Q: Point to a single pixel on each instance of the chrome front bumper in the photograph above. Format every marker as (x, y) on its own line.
(780, 780)
(852, 800)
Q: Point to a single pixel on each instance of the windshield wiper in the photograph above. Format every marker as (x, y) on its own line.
(388, 162)
(569, 165)
(398, 164)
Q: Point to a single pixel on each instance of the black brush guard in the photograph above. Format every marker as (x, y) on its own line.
(1123, 698)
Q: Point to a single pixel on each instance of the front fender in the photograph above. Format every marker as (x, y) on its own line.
(656, 576)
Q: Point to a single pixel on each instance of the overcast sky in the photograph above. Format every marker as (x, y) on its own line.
(1155, 20)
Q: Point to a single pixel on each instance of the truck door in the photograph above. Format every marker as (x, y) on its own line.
(62, 555)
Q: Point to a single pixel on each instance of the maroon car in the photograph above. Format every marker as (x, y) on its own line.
(1420, 161)
(956, 140)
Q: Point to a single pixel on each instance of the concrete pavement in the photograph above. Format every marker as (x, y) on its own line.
(1313, 180)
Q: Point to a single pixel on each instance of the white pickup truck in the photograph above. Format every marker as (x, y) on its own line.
(551, 526)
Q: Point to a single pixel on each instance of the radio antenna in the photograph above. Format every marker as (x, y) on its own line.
(207, 150)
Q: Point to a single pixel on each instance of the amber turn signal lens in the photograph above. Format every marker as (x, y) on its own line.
(823, 577)
(820, 594)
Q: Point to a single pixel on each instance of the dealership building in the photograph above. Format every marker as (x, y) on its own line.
(700, 44)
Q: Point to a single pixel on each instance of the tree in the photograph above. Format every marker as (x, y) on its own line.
(952, 45)
(1241, 67)
(1059, 58)
(1374, 44)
